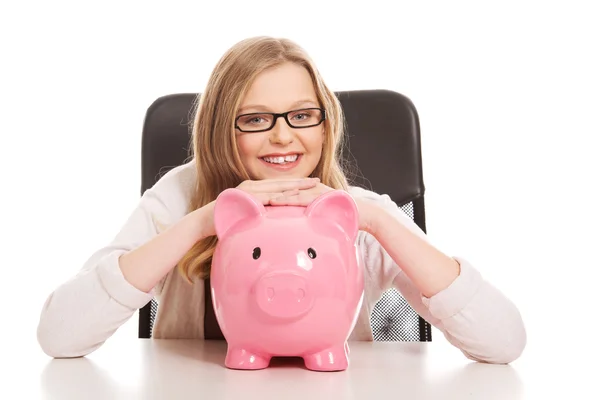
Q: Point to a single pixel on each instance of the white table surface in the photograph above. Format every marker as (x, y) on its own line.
(187, 369)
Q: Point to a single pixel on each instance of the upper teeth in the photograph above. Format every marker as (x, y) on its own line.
(281, 159)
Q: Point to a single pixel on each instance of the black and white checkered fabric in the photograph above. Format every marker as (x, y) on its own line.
(153, 311)
(393, 319)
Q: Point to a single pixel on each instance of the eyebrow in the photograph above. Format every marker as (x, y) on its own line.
(263, 107)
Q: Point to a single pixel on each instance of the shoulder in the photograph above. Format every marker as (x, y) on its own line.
(169, 198)
(364, 193)
(382, 200)
(388, 205)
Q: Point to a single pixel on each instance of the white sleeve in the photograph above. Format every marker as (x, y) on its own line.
(82, 313)
(472, 314)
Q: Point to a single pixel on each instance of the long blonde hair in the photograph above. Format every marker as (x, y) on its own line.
(218, 162)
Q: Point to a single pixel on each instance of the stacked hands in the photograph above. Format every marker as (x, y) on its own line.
(293, 192)
(285, 192)
(298, 192)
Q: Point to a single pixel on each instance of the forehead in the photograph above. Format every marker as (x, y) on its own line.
(279, 88)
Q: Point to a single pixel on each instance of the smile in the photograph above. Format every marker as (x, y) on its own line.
(283, 162)
(281, 159)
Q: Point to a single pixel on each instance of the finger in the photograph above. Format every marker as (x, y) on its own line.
(292, 192)
(302, 199)
(274, 196)
(266, 198)
(280, 186)
(289, 179)
(289, 201)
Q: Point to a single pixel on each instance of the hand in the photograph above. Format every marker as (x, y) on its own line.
(268, 190)
(303, 197)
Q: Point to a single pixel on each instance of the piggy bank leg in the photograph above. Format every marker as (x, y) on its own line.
(241, 358)
(332, 359)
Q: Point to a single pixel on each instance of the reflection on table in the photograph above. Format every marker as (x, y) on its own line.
(175, 369)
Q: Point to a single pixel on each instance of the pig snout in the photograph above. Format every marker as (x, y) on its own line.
(283, 295)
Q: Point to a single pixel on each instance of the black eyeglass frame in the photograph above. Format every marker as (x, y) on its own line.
(285, 117)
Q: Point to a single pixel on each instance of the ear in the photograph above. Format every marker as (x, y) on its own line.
(337, 206)
(232, 206)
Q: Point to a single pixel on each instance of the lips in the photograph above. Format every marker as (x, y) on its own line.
(282, 162)
(281, 159)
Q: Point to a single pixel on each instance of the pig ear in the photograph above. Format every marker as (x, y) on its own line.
(232, 206)
(339, 207)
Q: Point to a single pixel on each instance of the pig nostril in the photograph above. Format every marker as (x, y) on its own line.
(300, 294)
(270, 293)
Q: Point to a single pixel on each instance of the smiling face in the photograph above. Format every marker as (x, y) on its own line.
(283, 151)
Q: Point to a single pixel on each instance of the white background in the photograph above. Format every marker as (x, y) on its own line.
(507, 94)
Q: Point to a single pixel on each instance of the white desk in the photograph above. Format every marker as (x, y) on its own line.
(182, 369)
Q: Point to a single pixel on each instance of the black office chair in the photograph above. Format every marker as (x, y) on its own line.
(384, 143)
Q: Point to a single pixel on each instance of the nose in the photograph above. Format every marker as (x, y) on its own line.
(283, 295)
(281, 133)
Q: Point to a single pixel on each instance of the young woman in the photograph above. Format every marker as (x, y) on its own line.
(267, 124)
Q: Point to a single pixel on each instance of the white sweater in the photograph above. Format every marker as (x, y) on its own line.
(82, 313)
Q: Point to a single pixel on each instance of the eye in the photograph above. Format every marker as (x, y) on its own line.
(312, 253)
(301, 116)
(255, 120)
(256, 253)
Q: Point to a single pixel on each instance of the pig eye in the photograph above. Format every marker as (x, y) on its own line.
(312, 253)
(256, 253)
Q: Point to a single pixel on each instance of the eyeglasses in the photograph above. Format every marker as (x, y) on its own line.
(262, 122)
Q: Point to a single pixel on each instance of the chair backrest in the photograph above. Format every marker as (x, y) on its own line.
(383, 145)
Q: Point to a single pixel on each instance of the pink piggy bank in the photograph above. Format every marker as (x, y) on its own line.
(286, 280)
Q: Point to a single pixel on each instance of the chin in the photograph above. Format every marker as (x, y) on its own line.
(281, 174)
(264, 170)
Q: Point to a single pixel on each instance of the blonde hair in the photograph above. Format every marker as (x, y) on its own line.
(214, 148)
